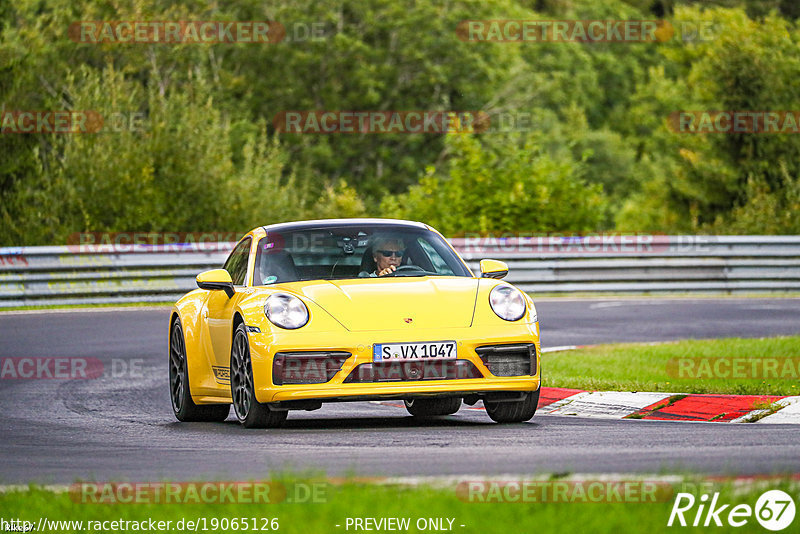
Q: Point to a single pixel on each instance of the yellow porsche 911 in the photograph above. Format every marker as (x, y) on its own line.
(351, 310)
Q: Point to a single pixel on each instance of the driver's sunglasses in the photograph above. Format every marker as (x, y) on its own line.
(390, 253)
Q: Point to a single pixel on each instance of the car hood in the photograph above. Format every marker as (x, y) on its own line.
(396, 303)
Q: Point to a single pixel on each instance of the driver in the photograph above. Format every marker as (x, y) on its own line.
(388, 254)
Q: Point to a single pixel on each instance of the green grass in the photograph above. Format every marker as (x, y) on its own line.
(644, 367)
(353, 499)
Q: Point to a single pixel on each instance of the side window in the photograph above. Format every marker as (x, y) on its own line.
(236, 265)
(436, 260)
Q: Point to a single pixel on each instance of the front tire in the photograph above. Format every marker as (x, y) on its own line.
(432, 407)
(514, 412)
(249, 412)
(182, 404)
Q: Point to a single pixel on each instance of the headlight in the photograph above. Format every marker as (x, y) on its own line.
(507, 302)
(286, 311)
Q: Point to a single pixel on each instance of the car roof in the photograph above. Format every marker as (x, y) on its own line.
(338, 223)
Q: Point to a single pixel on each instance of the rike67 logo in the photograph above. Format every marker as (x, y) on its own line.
(774, 510)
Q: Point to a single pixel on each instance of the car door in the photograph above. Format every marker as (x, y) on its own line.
(220, 310)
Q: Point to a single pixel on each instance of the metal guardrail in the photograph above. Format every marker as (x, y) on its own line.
(592, 264)
(644, 263)
(70, 275)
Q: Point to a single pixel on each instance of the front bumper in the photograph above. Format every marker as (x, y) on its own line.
(263, 347)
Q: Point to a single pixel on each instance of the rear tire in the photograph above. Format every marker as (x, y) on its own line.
(182, 404)
(249, 412)
(422, 407)
(514, 412)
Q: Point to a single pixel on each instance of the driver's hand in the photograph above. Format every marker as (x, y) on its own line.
(389, 269)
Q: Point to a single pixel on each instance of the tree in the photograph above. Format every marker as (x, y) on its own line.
(513, 186)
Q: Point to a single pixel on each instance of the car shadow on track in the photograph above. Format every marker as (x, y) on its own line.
(351, 423)
(367, 423)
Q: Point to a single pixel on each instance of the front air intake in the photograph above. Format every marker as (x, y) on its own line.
(509, 360)
(411, 371)
(306, 367)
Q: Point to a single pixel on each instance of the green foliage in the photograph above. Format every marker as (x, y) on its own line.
(338, 201)
(202, 153)
(375, 55)
(766, 211)
(168, 168)
(514, 184)
(719, 182)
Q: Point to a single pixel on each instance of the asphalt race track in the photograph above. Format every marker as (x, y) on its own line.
(122, 428)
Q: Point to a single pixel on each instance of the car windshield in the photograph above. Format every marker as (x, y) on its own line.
(353, 251)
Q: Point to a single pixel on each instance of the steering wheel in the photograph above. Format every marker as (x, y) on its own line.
(405, 268)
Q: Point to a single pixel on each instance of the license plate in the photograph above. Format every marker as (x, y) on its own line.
(405, 352)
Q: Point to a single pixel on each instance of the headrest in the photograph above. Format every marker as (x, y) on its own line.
(279, 264)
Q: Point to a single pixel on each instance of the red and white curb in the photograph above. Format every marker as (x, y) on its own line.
(670, 406)
(663, 406)
(601, 404)
(667, 406)
(788, 413)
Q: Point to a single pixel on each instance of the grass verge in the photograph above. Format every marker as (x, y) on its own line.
(575, 510)
(766, 366)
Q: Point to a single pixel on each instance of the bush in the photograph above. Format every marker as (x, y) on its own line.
(514, 186)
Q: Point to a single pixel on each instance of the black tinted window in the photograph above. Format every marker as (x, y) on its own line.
(236, 265)
(340, 252)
